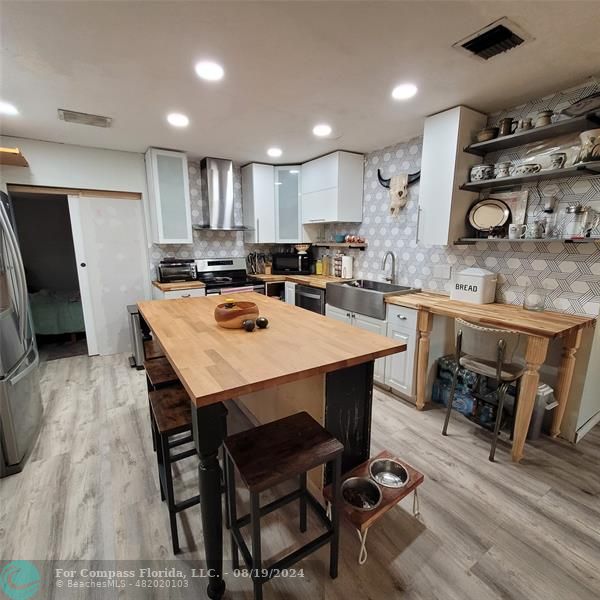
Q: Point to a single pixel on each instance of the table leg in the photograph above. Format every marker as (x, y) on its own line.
(537, 347)
(565, 376)
(425, 324)
(209, 427)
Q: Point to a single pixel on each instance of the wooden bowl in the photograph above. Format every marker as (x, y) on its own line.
(231, 315)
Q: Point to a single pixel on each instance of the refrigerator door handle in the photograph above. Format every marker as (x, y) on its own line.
(19, 272)
(14, 376)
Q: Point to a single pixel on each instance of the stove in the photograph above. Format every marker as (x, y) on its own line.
(226, 276)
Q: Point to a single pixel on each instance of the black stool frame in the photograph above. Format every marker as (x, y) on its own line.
(253, 560)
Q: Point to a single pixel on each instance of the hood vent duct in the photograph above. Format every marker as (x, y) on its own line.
(216, 176)
(498, 37)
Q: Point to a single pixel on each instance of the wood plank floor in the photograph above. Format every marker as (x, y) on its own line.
(487, 531)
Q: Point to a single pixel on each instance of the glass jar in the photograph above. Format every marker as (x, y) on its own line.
(535, 298)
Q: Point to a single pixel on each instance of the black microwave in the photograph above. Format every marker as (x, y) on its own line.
(288, 263)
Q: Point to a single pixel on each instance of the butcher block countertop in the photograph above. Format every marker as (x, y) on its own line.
(216, 364)
(179, 285)
(547, 323)
(317, 281)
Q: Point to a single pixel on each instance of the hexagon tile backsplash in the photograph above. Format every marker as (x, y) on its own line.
(570, 272)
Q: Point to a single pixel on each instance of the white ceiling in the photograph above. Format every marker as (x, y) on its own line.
(289, 65)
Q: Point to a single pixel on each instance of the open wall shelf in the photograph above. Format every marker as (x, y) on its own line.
(471, 241)
(586, 169)
(536, 134)
(356, 245)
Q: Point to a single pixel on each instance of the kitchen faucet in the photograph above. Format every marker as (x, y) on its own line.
(392, 277)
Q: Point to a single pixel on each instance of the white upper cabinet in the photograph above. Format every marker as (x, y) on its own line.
(444, 168)
(169, 197)
(288, 204)
(258, 202)
(332, 189)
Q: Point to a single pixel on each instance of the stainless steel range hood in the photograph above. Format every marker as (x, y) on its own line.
(217, 184)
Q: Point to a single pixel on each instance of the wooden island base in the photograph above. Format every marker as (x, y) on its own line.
(340, 401)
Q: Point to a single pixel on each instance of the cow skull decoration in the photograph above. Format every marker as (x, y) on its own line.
(398, 187)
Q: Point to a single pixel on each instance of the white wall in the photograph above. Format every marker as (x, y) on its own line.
(79, 167)
(63, 165)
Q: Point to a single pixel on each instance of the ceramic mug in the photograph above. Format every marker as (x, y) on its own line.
(502, 169)
(516, 231)
(505, 127)
(544, 117)
(558, 160)
(481, 172)
(534, 231)
(524, 124)
(527, 169)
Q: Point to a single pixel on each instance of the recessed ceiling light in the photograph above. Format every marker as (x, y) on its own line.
(210, 71)
(294, 172)
(404, 91)
(322, 130)
(178, 120)
(274, 152)
(6, 108)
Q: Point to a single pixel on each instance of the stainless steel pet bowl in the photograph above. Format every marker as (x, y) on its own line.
(389, 473)
(361, 493)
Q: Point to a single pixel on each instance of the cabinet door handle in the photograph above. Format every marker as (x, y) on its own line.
(315, 220)
(348, 315)
(186, 295)
(402, 317)
(257, 231)
(419, 209)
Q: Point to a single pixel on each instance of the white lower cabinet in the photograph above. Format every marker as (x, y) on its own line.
(396, 371)
(400, 367)
(290, 292)
(362, 322)
(170, 295)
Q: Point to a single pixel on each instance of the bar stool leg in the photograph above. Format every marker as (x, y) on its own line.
(231, 507)
(335, 517)
(450, 401)
(501, 394)
(160, 463)
(164, 446)
(303, 502)
(256, 554)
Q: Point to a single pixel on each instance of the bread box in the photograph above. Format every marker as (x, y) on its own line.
(474, 285)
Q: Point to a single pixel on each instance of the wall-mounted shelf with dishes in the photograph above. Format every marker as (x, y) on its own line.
(587, 169)
(535, 134)
(471, 241)
(357, 245)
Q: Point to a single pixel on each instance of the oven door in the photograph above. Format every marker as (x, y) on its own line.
(310, 298)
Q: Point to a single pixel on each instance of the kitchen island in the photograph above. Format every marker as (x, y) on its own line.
(302, 361)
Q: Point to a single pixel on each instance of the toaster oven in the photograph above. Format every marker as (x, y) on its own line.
(172, 270)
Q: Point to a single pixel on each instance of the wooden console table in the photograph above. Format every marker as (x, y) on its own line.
(539, 327)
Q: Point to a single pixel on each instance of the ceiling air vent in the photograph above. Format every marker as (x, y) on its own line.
(80, 118)
(498, 37)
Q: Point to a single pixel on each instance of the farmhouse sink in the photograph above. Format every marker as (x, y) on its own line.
(364, 296)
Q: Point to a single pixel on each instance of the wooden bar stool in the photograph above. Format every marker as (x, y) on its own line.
(171, 415)
(266, 456)
(160, 374)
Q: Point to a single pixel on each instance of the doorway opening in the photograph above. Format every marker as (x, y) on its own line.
(43, 228)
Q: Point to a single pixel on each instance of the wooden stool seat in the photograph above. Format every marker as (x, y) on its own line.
(171, 409)
(277, 451)
(160, 372)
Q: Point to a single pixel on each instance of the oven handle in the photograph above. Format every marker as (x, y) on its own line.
(307, 295)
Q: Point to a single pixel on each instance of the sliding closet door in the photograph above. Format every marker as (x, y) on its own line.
(110, 247)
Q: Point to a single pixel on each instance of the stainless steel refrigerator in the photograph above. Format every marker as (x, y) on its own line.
(20, 397)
